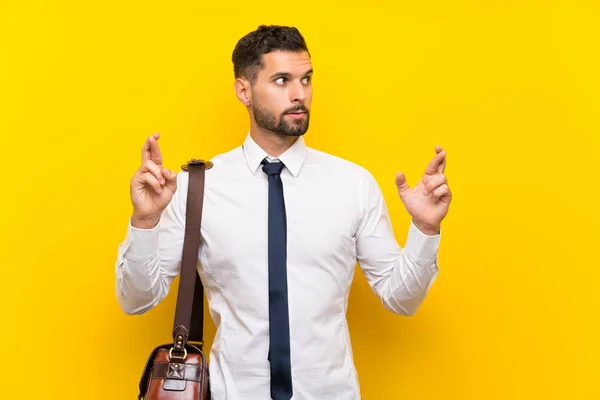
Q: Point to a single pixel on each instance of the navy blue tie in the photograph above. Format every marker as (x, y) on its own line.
(279, 325)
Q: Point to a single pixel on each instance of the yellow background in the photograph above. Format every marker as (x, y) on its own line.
(510, 89)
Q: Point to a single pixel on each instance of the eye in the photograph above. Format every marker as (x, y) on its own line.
(306, 80)
(280, 81)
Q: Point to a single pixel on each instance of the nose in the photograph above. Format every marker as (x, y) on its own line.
(298, 93)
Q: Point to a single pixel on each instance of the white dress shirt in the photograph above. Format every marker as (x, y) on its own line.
(336, 217)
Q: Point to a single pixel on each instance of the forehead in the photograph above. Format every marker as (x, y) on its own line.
(292, 62)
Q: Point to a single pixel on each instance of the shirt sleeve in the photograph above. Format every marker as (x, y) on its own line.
(400, 277)
(148, 260)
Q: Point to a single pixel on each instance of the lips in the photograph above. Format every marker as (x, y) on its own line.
(296, 115)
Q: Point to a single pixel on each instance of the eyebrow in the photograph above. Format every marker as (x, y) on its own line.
(288, 75)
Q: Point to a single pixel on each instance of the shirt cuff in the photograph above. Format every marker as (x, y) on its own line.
(141, 243)
(420, 246)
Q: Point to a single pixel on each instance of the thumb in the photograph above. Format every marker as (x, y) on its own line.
(170, 176)
(401, 182)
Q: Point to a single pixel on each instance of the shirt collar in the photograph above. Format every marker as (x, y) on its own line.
(292, 158)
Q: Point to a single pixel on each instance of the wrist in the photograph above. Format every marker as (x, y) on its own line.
(144, 222)
(427, 229)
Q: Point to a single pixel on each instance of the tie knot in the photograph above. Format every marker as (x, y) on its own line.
(272, 168)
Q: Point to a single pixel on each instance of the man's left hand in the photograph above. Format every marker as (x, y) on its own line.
(428, 202)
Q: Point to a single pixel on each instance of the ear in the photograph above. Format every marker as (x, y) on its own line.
(242, 91)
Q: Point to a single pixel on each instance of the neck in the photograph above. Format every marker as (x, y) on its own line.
(272, 143)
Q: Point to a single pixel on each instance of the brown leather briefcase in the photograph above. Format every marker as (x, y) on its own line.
(179, 370)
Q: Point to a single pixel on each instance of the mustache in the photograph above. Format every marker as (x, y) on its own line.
(296, 109)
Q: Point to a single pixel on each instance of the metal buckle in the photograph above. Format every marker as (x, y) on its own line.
(182, 358)
(195, 161)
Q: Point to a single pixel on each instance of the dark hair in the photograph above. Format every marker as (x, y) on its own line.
(247, 56)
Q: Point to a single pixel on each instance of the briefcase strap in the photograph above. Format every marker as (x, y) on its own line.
(190, 295)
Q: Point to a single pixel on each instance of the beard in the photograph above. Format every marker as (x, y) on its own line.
(267, 120)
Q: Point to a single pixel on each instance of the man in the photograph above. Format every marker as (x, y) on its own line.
(283, 228)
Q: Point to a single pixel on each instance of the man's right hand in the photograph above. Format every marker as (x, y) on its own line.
(152, 186)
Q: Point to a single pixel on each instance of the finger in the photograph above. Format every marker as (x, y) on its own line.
(442, 167)
(435, 182)
(155, 154)
(146, 150)
(434, 164)
(154, 169)
(150, 180)
(442, 191)
(401, 182)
